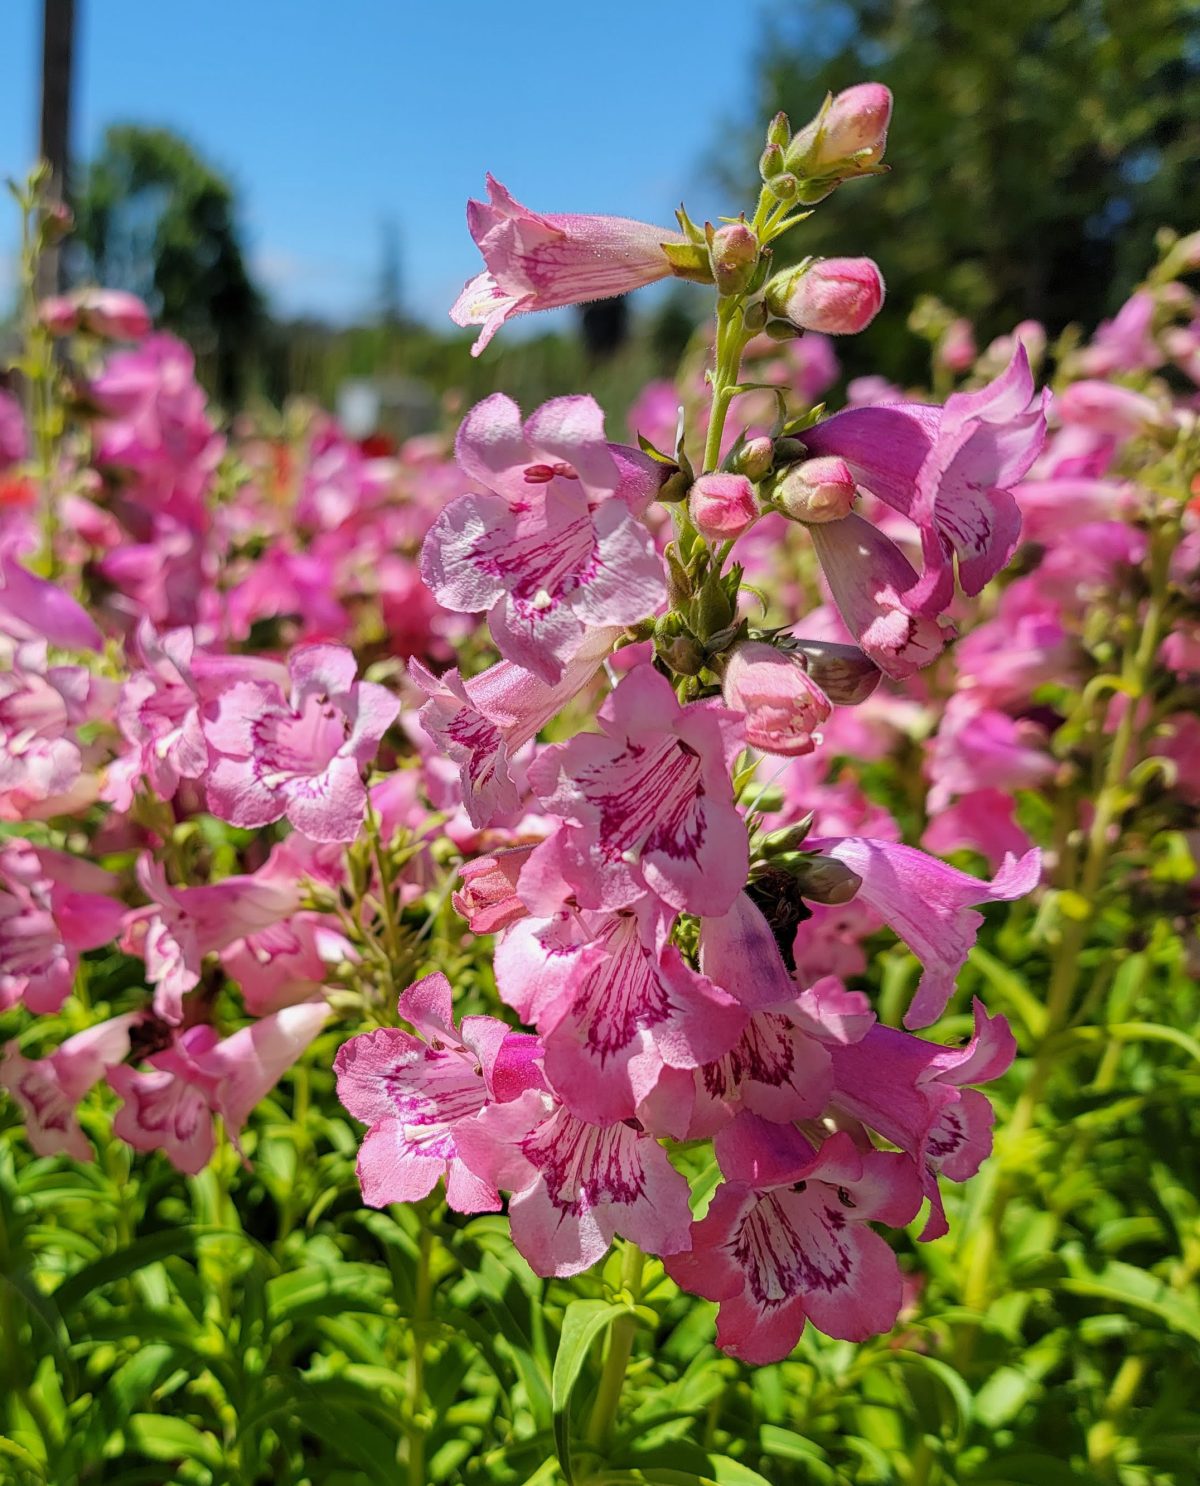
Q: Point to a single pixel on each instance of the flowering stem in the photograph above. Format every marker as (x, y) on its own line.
(620, 1346)
(422, 1309)
(387, 896)
(731, 341)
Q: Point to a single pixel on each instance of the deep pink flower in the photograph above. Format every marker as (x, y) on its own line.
(782, 704)
(52, 908)
(416, 1092)
(977, 747)
(32, 608)
(1108, 408)
(300, 756)
(951, 470)
(785, 1239)
(110, 313)
(482, 723)
(554, 550)
(646, 802)
(912, 1093)
(537, 262)
(14, 444)
(574, 1185)
(928, 904)
(488, 897)
(159, 714)
(982, 821)
(870, 579)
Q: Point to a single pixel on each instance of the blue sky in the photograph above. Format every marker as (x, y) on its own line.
(333, 115)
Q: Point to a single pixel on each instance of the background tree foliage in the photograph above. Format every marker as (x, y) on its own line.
(156, 219)
(1037, 147)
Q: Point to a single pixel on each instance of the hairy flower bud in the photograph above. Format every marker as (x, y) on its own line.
(782, 704)
(823, 879)
(755, 458)
(722, 506)
(779, 130)
(816, 490)
(770, 162)
(733, 252)
(838, 296)
(848, 135)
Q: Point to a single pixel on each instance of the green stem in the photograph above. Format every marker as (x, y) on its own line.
(422, 1310)
(387, 896)
(620, 1346)
(731, 341)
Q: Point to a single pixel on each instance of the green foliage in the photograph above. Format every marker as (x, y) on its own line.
(1104, 96)
(156, 219)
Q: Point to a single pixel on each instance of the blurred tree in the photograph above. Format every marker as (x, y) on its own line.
(1036, 147)
(58, 49)
(155, 218)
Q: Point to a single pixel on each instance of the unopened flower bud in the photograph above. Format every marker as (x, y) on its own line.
(676, 644)
(58, 314)
(824, 879)
(755, 317)
(843, 672)
(488, 897)
(57, 222)
(849, 135)
(1108, 408)
(779, 130)
(783, 187)
(770, 162)
(816, 490)
(838, 296)
(722, 506)
(755, 458)
(956, 350)
(733, 252)
(783, 705)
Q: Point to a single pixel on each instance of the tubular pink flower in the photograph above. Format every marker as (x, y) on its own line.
(929, 904)
(782, 704)
(615, 1004)
(912, 1093)
(48, 1090)
(575, 1186)
(647, 803)
(786, 1240)
(415, 1093)
(301, 756)
(481, 723)
(52, 908)
(870, 579)
(951, 470)
(32, 608)
(537, 262)
(554, 550)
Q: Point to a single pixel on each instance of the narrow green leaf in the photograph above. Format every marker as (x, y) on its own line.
(583, 1322)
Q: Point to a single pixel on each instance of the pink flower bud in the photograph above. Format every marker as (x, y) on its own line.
(956, 349)
(837, 296)
(722, 506)
(488, 897)
(783, 705)
(756, 457)
(59, 315)
(113, 314)
(817, 490)
(852, 132)
(733, 252)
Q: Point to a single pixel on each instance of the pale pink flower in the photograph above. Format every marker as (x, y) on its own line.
(816, 490)
(646, 802)
(171, 1108)
(52, 908)
(1108, 408)
(488, 897)
(112, 314)
(32, 608)
(301, 756)
(785, 1239)
(40, 707)
(951, 470)
(929, 905)
(852, 131)
(1125, 343)
(782, 704)
(286, 962)
(416, 1093)
(982, 821)
(575, 1186)
(482, 723)
(555, 549)
(48, 1090)
(537, 262)
(159, 714)
(977, 747)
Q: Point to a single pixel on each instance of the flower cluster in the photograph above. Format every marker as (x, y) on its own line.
(670, 945)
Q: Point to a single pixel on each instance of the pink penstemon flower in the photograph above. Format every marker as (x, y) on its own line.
(539, 262)
(554, 550)
(302, 755)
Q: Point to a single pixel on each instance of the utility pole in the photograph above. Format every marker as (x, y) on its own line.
(58, 47)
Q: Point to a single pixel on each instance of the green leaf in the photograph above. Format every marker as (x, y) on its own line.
(583, 1322)
(165, 1437)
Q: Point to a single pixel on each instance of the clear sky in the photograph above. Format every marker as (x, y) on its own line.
(333, 115)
